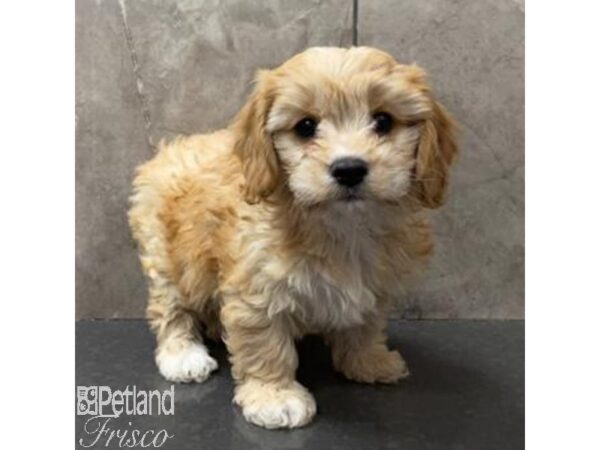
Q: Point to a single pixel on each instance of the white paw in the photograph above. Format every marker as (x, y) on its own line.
(270, 406)
(188, 363)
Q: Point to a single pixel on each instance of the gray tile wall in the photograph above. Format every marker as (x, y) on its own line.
(151, 69)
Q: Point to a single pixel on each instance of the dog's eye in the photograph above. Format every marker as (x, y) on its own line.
(383, 122)
(306, 128)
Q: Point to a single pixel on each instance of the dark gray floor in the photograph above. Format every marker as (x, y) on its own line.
(466, 392)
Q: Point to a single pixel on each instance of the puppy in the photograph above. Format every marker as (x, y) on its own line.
(301, 217)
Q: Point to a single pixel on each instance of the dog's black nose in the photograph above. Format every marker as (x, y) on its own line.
(349, 171)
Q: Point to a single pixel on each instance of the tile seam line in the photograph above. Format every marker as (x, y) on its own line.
(355, 23)
(136, 73)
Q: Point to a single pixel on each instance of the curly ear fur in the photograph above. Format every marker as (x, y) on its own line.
(253, 145)
(435, 153)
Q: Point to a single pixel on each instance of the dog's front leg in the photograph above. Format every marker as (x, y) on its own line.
(264, 362)
(361, 354)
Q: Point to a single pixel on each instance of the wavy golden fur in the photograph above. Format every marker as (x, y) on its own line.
(244, 233)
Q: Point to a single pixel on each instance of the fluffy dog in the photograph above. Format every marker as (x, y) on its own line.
(303, 216)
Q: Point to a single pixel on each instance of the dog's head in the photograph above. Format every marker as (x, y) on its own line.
(345, 125)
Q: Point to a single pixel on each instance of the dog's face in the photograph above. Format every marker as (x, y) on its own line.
(343, 126)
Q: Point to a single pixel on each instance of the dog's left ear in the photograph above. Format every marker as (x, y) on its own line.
(253, 145)
(435, 153)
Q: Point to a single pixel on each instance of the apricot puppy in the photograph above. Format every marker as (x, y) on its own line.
(303, 216)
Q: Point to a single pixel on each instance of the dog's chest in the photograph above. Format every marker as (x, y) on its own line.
(327, 295)
(331, 279)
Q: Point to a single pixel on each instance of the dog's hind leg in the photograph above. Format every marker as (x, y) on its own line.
(181, 355)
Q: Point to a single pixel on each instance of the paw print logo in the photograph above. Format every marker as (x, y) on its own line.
(87, 400)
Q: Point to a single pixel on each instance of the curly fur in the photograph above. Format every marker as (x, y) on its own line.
(244, 233)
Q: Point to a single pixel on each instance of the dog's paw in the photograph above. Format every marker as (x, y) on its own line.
(378, 365)
(271, 406)
(189, 363)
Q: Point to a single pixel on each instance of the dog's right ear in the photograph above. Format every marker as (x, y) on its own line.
(253, 144)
